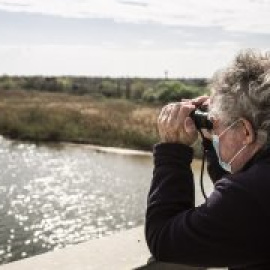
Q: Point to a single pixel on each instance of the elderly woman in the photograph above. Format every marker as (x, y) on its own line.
(232, 228)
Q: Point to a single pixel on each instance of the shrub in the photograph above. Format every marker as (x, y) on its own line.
(171, 91)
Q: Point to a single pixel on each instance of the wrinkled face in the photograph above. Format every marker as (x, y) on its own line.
(230, 139)
(240, 136)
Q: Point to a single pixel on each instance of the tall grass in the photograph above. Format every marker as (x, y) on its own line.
(61, 117)
(55, 117)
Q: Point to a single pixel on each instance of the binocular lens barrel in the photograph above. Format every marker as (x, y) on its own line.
(201, 120)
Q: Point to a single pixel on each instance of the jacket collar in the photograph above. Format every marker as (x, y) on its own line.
(262, 153)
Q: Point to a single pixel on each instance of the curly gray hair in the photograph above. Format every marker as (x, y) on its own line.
(243, 90)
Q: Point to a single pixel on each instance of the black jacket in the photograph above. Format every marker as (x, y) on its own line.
(231, 229)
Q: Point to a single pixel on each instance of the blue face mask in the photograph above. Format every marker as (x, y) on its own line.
(215, 140)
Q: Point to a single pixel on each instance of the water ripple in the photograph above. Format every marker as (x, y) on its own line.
(52, 198)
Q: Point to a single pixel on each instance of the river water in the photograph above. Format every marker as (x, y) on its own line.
(56, 196)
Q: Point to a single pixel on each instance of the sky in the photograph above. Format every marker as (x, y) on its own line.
(128, 38)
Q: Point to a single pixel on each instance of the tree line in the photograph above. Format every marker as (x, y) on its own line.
(137, 89)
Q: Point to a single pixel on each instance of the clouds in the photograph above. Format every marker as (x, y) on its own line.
(242, 15)
(190, 38)
(134, 3)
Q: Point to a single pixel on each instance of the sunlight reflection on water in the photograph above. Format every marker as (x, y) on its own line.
(53, 197)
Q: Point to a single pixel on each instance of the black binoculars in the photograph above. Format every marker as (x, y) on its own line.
(201, 119)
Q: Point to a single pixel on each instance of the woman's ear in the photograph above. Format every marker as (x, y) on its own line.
(249, 134)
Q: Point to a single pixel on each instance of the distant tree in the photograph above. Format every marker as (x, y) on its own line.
(173, 91)
(7, 83)
(108, 88)
(118, 87)
(63, 84)
(147, 89)
(128, 88)
(150, 95)
(169, 91)
(137, 90)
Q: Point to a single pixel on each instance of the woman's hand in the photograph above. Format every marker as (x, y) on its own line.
(175, 125)
(205, 101)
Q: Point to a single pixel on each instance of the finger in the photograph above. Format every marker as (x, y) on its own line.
(164, 108)
(168, 107)
(200, 100)
(174, 112)
(184, 112)
(163, 114)
(207, 102)
(189, 126)
(167, 110)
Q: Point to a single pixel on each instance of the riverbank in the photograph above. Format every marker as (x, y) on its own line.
(57, 117)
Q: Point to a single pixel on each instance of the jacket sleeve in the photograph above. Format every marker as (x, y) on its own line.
(178, 232)
(215, 171)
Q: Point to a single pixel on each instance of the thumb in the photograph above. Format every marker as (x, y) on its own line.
(190, 126)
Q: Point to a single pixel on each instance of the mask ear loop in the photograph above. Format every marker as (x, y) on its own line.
(204, 155)
(203, 159)
(227, 128)
(237, 154)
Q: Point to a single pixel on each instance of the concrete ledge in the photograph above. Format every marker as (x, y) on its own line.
(126, 250)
